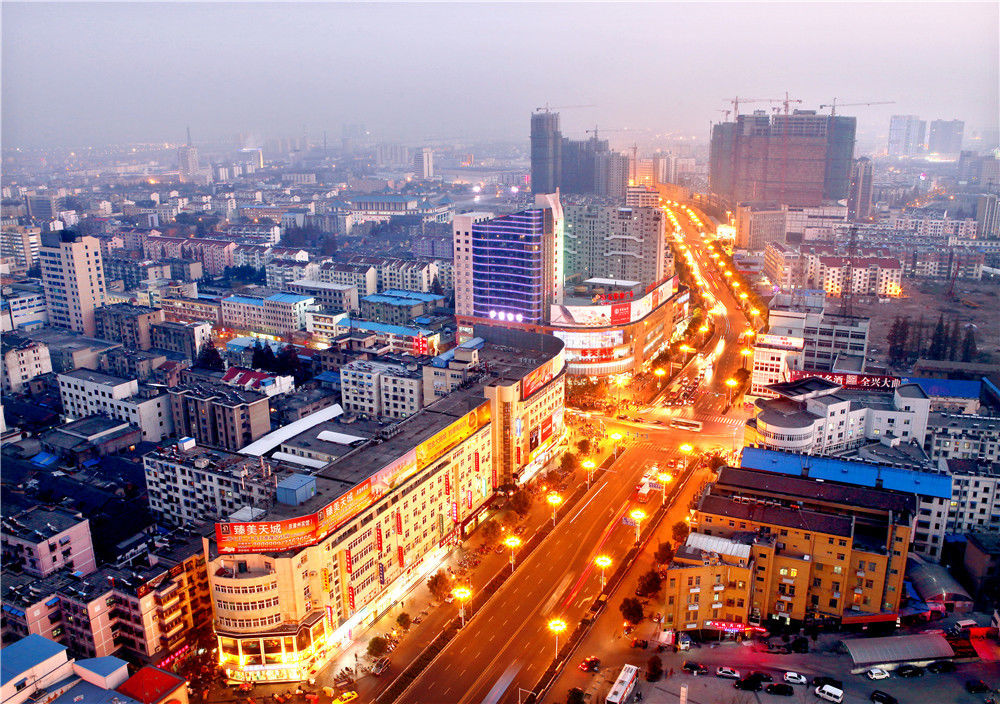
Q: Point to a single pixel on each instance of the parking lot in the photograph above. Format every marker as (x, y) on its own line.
(709, 689)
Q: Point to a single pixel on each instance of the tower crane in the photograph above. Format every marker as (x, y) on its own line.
(737, 100)
(833, 105)
(606, 129)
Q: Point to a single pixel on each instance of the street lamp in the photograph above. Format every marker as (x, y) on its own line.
(616, 437)
(746, 352)
(461, 593)
(554, 500)
(557, 626)
(604, 562)
(589, 466)
(513, 542)
(730, 383)
(663, 478)
(638, 515)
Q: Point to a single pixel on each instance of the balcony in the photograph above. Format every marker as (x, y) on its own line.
(787, 580)
(836, 595)
(717, 605)
(859, 590)
(859, 573)
(785, 597)
(718, 587)
(694, 590)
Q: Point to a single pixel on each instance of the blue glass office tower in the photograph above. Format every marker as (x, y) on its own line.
(513, 267)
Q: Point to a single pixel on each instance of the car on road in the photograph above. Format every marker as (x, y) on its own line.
(762, 676)
(748, 684)
(822, 680)
(695, 668)
(794, 678)
(640, 643)
(910, 671)
(345, 697)
(380, 666)
(781, 689)
(727, 672)
(976, 687)
(877, 673)
(939, 666)
(591, 664)
(880, 697)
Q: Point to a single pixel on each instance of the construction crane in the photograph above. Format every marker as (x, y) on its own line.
(737, 100)
(833, 105)
(607, 129)
(562, 107)
(727, 113)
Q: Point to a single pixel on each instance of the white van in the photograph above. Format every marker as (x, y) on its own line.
(830, 693)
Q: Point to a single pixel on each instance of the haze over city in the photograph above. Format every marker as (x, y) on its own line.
(95, 73)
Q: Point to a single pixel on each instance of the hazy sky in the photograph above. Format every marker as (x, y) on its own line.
(88, 73)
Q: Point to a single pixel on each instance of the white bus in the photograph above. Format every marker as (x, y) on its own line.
(685, 424)
(623, 688)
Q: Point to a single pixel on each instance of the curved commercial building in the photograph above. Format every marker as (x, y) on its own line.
(292, 586)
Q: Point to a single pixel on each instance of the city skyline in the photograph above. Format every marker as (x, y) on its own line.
(204, 65)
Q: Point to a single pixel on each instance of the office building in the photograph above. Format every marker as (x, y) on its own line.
(85, 392)
(128, 324)
(219, 416)
(73, 277)
(23, 360)
(789, 159)
(609, 242)
(517, 267)
(21, 244)
(906, 135)
(859, 198)
(811, 549)
(759, 224)
(802, 314)
(462, 238)
(384, 513)
(42, 206)
(189, 484)
(42, 540)
(988, 217)
(187, 339)
(945, 137)
(774, 359)
(817, 222)
(381, 390)
(423, 163)
(546, 152)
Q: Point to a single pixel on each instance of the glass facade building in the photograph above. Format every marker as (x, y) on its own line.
(512, 266)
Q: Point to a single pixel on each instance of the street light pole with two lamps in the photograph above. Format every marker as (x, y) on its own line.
(554, 500)
(604, 562)
(462, 594)
(557, 626)
(513, 542)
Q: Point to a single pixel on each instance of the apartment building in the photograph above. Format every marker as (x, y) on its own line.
(402, 274)
(23, 360)
(330, 296)
(42, 540)
(128, 324)
(785, 266)
(380, 389)
(22, 307)
(874, 276)
(73, 278)
(774, 358)
(189, 484)
(86, 392)
(825, 335)
(605, 241)
(403, 339)
(449, 370)
(398, 307)
(363, 277)
(21, 244)
(184, 309)
(285, 313)
(817, 550)
(462, 245)
(281, 272)
(219, 416)
(187, 339)
(383, 515)
(959, 436)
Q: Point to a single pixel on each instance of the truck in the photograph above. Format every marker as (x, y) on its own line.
(644, 491)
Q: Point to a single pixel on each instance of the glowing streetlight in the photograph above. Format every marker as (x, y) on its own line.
(744, 295)
(604, 562)
(557, 626)
(589, 466)
(513, 542)
(686, 449)
(638, 516)
(746, 352)
(703, 328)
(659, 372)
(687, 349)
(462, 594)
(663, 478)
(616, 438)
(554, 500)
(730, 384)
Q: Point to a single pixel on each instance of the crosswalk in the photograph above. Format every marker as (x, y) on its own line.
(722, 420)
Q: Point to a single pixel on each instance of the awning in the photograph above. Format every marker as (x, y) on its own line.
(868, 652)
(868, 618)
(44, 459)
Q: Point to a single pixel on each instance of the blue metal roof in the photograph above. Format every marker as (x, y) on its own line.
(328, 376)
(951, 388)
(246, 300)
(84, 692)
(17, 658)
(384, 327)
(288, 298)
(103, 666)
(474, 343)
(44, 459)
(295, 481)
(847, 472)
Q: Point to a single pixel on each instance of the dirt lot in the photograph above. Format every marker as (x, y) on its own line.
(927, 298)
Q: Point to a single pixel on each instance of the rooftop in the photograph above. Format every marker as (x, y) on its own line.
(946, 388)
(288, 298)
(217, 393)
(150, 684)
(23, 655)
(963, 421)
(95, 377)
(988, 543)
(40, 523)
(796, 518)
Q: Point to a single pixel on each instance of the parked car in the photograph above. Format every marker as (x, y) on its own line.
(781, 689)
(591, 664)
(345, 697)
(880, 697)
(727, 672)
(977, 687)
(749, 684)
(877, 673)
(640, 643)
(380, 666)
(794, 678)
(821, 680)
(762, 676)
(695, 668)
(830, 693)
(910, 671)
(939, 666)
